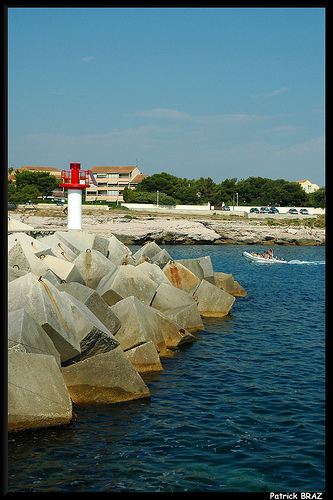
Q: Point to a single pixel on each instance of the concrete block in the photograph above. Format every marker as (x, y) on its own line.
(37, 247)
(127, 281)
(187, 317)
(181, 277)
(145, 358)
(93, 336)
(213, 302)
(71, 241)
(148, 250)
(14, 273)
(168, 296)
(154, 272)
(51, 277)
(225, 281)
(118, 253)
(16, 225)
(139, 324)
(59, 247)
(93, 266)
(37, 394)
(66, 271)
(95, 304)
(49, 308)
(106, 292)
(161, 258)
(26, 335)
(202, 267)
(173, 334)
(238, 290)
(104, 379)
(25, 260)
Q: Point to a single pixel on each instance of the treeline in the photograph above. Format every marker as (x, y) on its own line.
(31, 185)
(175, 190)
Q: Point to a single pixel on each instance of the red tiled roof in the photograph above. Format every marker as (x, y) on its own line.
(138, 178)
(40, 169)
(113, 170)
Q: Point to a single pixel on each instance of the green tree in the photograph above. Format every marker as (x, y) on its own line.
(42, 181)
(318, 198)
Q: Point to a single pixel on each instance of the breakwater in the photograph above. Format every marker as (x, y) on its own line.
(241, 409)
(86, 310)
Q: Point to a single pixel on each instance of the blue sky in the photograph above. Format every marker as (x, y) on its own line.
(216, 92)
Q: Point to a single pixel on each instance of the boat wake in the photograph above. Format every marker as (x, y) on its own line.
(312, 262)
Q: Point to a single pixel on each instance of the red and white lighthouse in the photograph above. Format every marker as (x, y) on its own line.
(75, 181)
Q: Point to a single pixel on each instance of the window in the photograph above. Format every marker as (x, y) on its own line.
(101, 176)
(113, 176)
(112, 192)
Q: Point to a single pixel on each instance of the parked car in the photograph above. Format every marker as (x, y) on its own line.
(304, 211)
(273, 210)
(264, 210)
(254, 210)
(226, 207)
(292, 211)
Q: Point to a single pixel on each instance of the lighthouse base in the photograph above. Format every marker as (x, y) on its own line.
(74, 209)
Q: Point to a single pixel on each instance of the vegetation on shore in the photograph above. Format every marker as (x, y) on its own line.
(256, 191)
(172, 190)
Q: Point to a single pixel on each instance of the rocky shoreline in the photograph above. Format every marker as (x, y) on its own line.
(139, 229)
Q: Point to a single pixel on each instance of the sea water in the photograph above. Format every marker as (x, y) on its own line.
(240, 410)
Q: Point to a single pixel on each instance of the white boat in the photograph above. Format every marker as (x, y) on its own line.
(254, 257)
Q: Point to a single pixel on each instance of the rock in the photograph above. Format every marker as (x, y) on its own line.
(145, 358)
(49, 308)
(173, 334)
(127, 281)
(202, 268)
(104, 379)
(26, 335)
(213, 302)
(95, 304)
(66, 271)
(93, 266)
(37, 394)
(181, 277)
(93, 336)
(139, 324)
(154, 272)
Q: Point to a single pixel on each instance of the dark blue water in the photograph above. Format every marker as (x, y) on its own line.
(240, 409)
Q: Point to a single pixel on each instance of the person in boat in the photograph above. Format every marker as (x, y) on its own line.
(264, 255)
(271, 253)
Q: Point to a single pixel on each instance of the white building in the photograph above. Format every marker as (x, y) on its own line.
(308, 186)
(111, 182)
